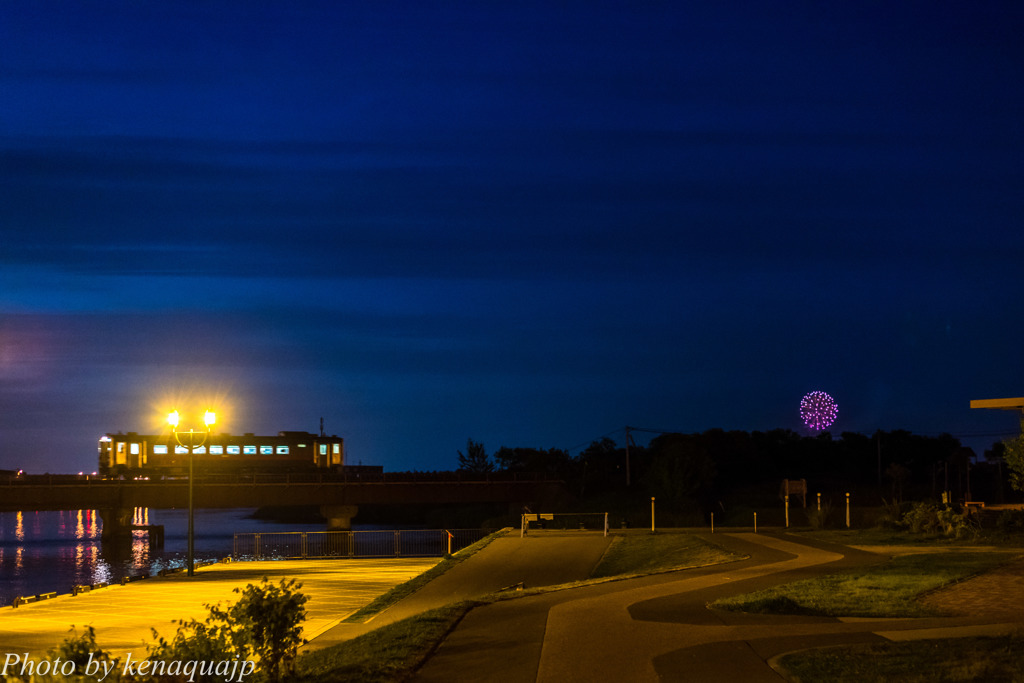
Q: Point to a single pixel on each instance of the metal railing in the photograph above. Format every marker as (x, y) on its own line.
(351, 544)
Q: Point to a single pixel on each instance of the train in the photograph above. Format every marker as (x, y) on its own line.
(164, 455)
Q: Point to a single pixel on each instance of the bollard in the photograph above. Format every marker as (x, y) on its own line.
(819, 502)
(755, 522)
(712, 522)
(652, 514)
(847, 510)
(787, 510)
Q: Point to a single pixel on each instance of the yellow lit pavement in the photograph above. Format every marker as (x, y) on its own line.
(123, 615)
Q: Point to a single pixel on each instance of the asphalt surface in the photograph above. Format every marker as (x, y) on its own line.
(659, 628)
(509, 562)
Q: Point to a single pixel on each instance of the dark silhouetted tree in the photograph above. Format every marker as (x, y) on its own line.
(475, 459)
(681, 469)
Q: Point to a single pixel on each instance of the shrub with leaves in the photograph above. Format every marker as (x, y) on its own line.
(953, 523)
(80, 649)
(1013, 455)
(268, 619)
(922, 517)
(1011, 521)
(819, 519)
(264, 625)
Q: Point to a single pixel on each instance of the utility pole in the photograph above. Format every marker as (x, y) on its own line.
(627, 456)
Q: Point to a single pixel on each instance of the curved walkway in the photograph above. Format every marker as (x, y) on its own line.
(659, 628)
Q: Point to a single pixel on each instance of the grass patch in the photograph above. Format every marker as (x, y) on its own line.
(897, 537)
(414, 584)
(885, 590)
(387, 654)
(994, 660)
(646, 553)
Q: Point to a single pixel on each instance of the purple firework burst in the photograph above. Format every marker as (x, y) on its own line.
(818, 410)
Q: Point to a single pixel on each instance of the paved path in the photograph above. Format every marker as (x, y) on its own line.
(539, 559)
(124, 615)
(659, 628)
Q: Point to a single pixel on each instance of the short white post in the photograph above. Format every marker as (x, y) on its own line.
(652, 514)
(819, 502)
(522, 527)
(787, 510)
(847, 510)
(755, 522)
(606, 525)
(712, 522)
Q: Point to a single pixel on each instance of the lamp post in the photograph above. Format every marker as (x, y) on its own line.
(192, 435)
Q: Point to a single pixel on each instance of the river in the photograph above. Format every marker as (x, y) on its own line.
(42, 552)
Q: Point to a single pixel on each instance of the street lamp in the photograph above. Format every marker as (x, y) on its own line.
(190, 440)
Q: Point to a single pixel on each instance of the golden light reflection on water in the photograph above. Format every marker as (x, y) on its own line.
(140, 539)
(19, 526)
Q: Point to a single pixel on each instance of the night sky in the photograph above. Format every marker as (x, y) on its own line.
(528, 224)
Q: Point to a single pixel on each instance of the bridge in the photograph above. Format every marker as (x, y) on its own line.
(338, 495)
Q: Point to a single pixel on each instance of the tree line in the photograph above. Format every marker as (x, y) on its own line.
(702, 469)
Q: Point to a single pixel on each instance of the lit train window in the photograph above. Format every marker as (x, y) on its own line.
(199, 450)
(323, 449)
(159, 449)
(216, 450)
(266, 450)
(135, 449)
(234, 450)
(249, 450)
(282, 450)
(337, 448)
(180, 450)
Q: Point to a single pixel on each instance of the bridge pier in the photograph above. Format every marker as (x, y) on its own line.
(339, 517)
(117, 522)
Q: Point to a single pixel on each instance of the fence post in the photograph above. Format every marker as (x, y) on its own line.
(351, 543)
(305, 554)
(257, 544)
(398, 544)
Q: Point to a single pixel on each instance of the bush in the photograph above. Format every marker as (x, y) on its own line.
(80, 650)
(922, 518)
(262, 625)
(891, 516)
(1011, 521)
(953, 523)
(819, 519)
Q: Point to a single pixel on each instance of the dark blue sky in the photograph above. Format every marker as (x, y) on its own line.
(527, 225)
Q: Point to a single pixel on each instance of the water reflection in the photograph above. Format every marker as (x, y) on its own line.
(53, 551)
